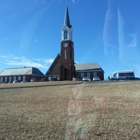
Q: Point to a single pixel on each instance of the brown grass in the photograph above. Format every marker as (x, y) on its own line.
(41, 111)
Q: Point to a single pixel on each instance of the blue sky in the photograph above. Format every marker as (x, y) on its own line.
(104, 31)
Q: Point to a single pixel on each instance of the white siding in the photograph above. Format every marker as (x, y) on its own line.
(67, 33)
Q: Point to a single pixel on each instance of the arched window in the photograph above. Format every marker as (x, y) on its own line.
(65, 54)
(5, 80)
(65, 34)
(1, 79)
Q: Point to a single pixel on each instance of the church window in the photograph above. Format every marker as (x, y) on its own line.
(1, 79)
(65, 34)
(24, 78)
(5, 80)
(10, 79)
(19, 78)
(88, 75)
(95, 74)
(65, 54)
(57, 68)
(82, 75)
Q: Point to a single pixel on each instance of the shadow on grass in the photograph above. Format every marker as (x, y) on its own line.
(36, 86)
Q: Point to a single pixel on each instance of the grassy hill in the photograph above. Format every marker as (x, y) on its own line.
(71, 111)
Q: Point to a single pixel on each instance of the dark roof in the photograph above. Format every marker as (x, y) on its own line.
(88, 66)
(67, 20)
(21, 71)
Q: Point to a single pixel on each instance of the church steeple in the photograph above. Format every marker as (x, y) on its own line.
(67, 69)
(67, 20)
(67, 28)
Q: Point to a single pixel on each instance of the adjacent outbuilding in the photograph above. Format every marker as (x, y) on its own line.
(89, 70)
(21, 74)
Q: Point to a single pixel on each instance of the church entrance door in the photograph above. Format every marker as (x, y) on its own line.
(65, 74)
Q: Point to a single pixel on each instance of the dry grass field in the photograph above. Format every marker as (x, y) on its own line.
(70, 111)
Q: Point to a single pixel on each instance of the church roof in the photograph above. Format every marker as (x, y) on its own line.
(21, 71)
(67, 20)
(88, 67)
(55, 62)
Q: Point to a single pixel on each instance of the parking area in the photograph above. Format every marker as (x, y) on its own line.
(109, 81)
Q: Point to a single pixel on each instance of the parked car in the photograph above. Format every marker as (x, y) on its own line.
(74, 79)
(15, 81)
(96, 78)
(33, 80)
(23, 81)
(86, 79)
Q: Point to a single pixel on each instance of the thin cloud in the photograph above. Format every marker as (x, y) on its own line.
(44, 61)
(48, 60)
(3, 56)
(73, 1)
(13, 60)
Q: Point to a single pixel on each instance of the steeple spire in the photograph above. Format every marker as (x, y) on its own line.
(67, 28)
(67, 20)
